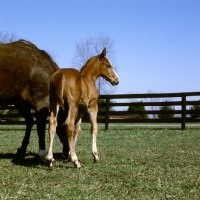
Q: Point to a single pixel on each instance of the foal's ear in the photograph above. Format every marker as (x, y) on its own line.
(103, 54)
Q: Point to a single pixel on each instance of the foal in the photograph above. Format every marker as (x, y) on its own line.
(76, 92)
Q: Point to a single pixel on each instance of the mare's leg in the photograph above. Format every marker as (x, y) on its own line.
(52, 130)
(26, 113)
(70, 129)
(92, 110)
(41, 117)
(61, 131)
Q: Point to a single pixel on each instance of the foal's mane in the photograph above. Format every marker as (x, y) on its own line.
(87, 62)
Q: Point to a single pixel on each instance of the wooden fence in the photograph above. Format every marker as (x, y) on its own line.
(113, 109)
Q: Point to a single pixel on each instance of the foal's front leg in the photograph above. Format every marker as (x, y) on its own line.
(92, 110)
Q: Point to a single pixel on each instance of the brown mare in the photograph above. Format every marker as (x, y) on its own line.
(76, 92)
(25, 72)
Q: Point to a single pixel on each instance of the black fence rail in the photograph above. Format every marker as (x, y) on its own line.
(113, 109)
(155, 101)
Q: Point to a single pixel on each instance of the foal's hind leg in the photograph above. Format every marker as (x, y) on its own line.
(70, 129)
(52, 130)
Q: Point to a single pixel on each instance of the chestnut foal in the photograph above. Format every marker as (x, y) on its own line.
(76, 92)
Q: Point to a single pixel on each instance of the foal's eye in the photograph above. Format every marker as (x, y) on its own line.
(108, 66)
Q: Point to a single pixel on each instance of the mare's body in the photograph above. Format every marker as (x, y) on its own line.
(25, 72)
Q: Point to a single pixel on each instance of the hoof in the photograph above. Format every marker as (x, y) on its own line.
(20, 155)
(77, 164)
(50, 163)
(68, 159)
(96, 160)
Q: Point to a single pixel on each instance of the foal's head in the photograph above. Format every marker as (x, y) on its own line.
(106, 70)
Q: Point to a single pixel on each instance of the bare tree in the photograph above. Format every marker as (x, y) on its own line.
(91, 46)
(7, 38)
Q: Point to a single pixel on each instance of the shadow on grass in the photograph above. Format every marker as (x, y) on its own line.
(15, 129)
(31, 159)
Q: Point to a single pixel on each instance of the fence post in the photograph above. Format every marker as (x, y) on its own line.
(183, 111)
(107, 112)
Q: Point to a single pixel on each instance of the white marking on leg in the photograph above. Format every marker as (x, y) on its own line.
(94, 147)
(74, 159)
(52, 130)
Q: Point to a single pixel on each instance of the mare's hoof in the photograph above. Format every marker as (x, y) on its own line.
(20, 155)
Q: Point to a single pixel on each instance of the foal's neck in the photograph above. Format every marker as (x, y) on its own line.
(90, 72)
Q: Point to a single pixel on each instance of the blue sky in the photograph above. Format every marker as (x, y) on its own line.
(157, 42)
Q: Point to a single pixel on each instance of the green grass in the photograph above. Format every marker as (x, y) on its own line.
(136, 163)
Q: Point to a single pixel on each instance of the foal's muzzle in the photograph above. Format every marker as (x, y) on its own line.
(115, 81)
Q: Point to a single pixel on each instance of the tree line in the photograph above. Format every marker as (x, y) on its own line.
(134, 108)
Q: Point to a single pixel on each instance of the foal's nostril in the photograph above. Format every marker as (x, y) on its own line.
(115, 82)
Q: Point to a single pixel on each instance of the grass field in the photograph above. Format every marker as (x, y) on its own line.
(136, 163)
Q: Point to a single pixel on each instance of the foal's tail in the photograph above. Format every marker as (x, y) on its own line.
(56, 89)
